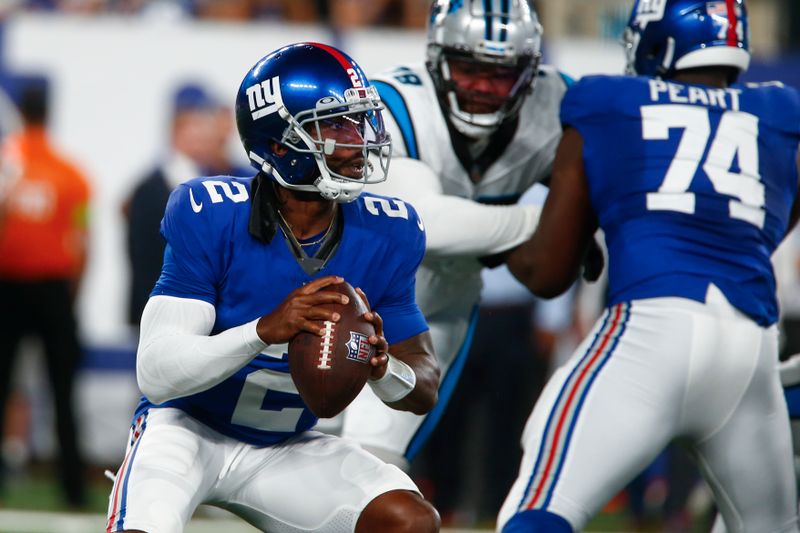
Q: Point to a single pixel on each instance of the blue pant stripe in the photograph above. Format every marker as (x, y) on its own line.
(553, 411)
(123, 504)
(579, 405)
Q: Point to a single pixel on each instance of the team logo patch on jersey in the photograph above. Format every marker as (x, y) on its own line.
(649, 11)
(358, 347)
(265, 98)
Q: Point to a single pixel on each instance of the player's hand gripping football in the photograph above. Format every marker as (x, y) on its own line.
(380, 359)
(302, 311)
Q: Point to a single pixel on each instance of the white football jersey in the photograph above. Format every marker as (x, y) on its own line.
(469, 211)
(419, 130)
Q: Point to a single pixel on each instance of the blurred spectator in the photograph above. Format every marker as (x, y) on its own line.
(200, 129)
(67, 6)
(43, 246)
(342, 14)
(353, 13)
(227, 10)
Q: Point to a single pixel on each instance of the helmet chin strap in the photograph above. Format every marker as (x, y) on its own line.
(470, 129)
(669, 54)
(344, 192)
(332, 189)
(327, 186)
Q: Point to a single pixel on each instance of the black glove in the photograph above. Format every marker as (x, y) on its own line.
(593, 261)
(494, 260)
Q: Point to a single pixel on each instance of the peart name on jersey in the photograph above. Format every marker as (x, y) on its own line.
(691, 94)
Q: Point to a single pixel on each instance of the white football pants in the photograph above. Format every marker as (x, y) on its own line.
(651, 371)
(312, 482)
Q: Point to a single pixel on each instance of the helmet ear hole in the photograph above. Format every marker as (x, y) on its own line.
(654, 53)
(279, 149)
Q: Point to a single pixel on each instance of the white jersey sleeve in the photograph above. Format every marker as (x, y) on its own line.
(177, 356)
(457, 226)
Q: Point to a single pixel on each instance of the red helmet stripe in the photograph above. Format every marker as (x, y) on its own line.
(733, 39)
(335, 53)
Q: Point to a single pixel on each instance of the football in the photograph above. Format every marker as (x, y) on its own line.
(330, 370)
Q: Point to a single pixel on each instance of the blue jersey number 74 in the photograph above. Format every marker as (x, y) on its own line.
(735, 138)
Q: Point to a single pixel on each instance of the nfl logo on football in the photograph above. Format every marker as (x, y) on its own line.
(358, 347)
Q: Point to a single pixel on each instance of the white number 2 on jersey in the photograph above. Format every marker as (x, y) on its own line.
(736, 135)
(249, 411)
(398, 210)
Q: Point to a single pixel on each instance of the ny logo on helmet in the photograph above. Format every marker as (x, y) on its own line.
(649, 11)
(265, 98)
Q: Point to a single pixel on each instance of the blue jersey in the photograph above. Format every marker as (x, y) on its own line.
(211, 256)
(692, 185)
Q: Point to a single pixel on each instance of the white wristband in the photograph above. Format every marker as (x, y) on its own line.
(397, 383)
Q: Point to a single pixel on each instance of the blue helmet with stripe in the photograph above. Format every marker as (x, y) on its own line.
(299, 105)
(664, 36)
(503, 33)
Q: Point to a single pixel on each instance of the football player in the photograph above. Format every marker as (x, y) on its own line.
(694, 181)
(220, 421)
(474, 128)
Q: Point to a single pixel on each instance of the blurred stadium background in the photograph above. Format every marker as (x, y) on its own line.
(113, 66)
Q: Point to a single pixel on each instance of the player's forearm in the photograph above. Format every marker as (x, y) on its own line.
(532, 265)
(417, 353)
(426, 391)
(457, 226)
(176, 355)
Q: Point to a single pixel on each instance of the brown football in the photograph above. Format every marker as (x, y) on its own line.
(329, 371)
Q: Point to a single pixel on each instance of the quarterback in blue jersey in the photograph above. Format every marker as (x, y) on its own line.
(221, 421)
(694, 180)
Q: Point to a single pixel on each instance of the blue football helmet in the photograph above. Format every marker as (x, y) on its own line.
(292, 97)
(504, 33)
(664, 36)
